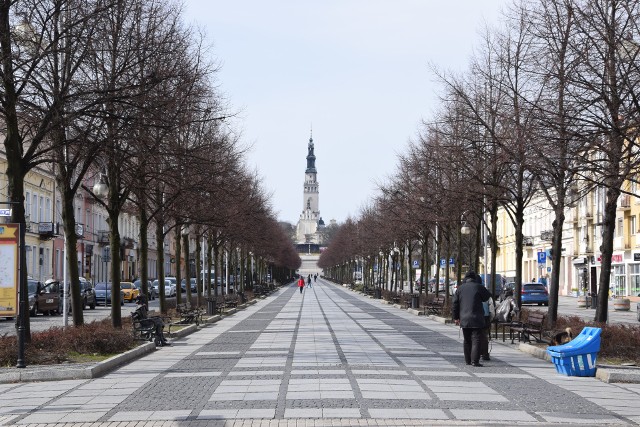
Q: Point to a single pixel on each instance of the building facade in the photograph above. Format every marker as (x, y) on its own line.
(580, 263)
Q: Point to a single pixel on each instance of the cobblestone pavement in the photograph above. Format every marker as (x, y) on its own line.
(326, 357)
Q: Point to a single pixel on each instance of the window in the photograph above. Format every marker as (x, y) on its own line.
(47, 261)
(632, 224)
(41, 211)
(47, 213)
(619, 227)
(619, 287)
(27, 209)
(34, 208)
(634, 278)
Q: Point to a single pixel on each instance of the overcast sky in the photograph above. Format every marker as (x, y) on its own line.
(356, 70)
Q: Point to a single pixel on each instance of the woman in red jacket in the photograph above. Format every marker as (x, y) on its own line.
(301, 283)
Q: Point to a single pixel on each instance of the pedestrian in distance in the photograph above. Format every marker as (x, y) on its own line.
(468, 313)
(309, 281)
(301, 283)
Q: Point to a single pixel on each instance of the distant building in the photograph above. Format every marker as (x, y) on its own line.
(310, 224)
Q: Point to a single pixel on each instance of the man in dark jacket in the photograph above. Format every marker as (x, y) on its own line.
(468, 313)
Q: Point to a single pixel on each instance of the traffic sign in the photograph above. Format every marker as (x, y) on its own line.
(5, 212)
(416, 263)
(542, 257)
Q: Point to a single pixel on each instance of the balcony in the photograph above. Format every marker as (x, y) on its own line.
(625, 201)
(47, 230)
(527, 241)
(547, 235)
(103, 237)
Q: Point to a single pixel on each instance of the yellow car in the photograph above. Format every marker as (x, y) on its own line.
(129, 291)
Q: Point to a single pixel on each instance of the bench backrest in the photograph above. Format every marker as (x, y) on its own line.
(535, 318)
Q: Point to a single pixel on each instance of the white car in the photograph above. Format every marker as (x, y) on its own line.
(169, 288)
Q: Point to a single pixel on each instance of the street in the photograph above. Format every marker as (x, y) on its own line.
(324, 357)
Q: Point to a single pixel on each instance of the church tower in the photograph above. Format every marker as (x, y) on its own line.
(307, 230)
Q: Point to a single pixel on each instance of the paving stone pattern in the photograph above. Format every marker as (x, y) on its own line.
(324, 357)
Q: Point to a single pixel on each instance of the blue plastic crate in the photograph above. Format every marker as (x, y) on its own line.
(581, 365)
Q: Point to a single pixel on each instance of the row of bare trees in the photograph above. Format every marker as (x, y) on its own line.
(548, 107)
(121, 92)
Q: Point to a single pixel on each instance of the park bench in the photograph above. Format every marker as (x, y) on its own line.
(230, 301)
(144, 329)
(533, 327)
(435, 306)
(188, 314)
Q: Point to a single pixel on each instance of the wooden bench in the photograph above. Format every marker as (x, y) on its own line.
(434, 306)
(532, 327)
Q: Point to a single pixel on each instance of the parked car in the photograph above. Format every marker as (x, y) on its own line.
(129, 291)
(88, 294)
(169, 288)
(534, 293)
(103, 294)
(44, 298)
(194, 285)
(151, 291)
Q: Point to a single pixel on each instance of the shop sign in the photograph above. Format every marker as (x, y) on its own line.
(615, 258)
(9, 243)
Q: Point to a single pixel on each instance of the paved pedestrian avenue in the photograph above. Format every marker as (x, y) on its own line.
(326, 357)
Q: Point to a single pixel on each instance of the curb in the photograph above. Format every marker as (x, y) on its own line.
(57, 372)
(85, 371)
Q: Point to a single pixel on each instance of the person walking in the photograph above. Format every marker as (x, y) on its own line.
(468, 313)
(301, 283)
(309, 281)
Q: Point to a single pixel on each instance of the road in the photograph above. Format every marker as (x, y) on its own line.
(42, 322)
(324, 357)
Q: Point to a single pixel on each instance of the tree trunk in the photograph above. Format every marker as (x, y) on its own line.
(160, 250)
(608, 230)
(143, 265)
(187, 268)
(71, 249)
(114, 241)
(556, 249)
(199, 275)
(178, 237)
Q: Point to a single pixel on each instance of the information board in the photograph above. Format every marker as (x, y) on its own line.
(9, 239)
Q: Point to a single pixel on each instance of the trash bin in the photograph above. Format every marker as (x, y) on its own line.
(415, 301)
(211, 306)
(377, 293)
(594, 301)
(577, 357)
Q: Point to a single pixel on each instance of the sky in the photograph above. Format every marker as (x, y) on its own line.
(356, 72)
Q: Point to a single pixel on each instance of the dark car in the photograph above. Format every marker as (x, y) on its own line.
(534, 293)
(88, 294)
(44, 298)
(194, 286)
(103, 294)
(152, 292)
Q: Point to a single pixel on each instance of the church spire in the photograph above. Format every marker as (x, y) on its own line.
(311, 158)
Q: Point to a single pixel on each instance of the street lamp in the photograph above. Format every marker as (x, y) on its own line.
(100, 188)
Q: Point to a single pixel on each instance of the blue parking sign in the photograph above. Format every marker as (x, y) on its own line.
(416, 263)
(542, 257)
